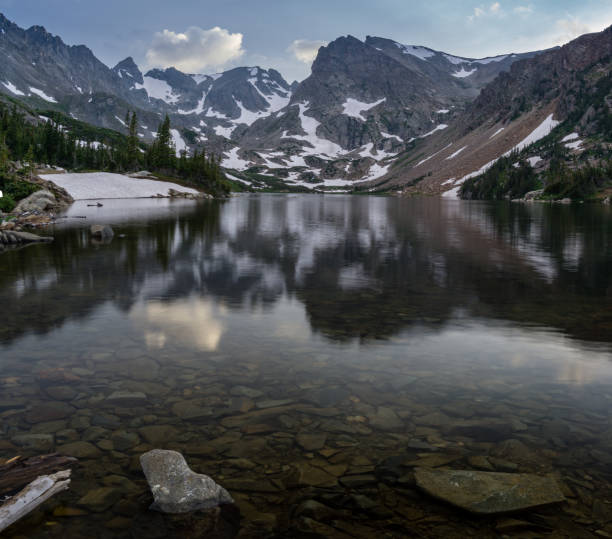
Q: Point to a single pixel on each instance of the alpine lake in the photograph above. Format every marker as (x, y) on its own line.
(309, 352)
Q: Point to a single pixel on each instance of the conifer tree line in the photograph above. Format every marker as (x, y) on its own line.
(51, 143)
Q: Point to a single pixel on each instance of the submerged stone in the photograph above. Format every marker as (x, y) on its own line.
(100, 499)
(489, 492)
(176, 488)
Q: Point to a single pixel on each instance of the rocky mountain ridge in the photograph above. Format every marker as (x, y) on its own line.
(364, 103)
(561, 98)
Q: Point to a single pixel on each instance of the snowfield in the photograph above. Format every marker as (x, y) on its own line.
(463, 73)
(12, 88)
(99, 185)
(354, 108)
(42, 95)
(158, 89)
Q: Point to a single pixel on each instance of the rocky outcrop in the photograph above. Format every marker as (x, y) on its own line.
(489, 492)
(13, 238)
(39, 201)
(176, 488)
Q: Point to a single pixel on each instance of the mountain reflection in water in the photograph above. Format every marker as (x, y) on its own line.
(362, 267)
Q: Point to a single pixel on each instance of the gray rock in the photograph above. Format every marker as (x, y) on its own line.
(126, 399)
(40, 201)
(124, 440)
(158, 434)
(50, 411)
(80, 450)
(191, 410)
(489, 492)
(243, 391)
(14, 237)
(176, 488)
(102, 232)
(100, 499)
(386, 419)
(61, 393)
(37, 442)
(311, 441)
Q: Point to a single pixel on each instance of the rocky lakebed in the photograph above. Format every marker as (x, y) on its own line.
(312, 367)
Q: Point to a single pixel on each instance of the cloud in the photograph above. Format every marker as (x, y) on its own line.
(195, 49)
(494, 9)
(571, 28)
(523, 10)
(305, 50)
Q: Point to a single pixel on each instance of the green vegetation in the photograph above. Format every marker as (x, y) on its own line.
(503, 180)
(13, 190)
(579, 184)
(71, 144)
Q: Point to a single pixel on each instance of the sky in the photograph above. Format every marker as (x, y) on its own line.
(208, 36)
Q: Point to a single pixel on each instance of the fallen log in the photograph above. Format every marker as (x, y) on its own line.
(35, 494)
(19, 471)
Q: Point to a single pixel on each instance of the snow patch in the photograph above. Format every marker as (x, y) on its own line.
(576, 145)
(236, 179)
(158, 89)
(319, 145)
(485, 61)
(463, 73)
(437, 128)
(199, 107)
(387, 135)
(456, 153)
(179, 143)
(233, 161)
(420, 52)
(538, 133)
(432, 156)
(456, 60)
(533, 161)
(497, 132)
(12, 88)
(354, 108)
(212, 113)
(226, 132)
(571, 136)
(199, 78)
(42, 95)
(100, 185)
(452, 193)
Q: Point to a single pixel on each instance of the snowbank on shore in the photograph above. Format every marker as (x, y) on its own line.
(98, 185)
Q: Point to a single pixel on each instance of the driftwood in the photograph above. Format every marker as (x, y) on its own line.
(36, 493)
(19, 471)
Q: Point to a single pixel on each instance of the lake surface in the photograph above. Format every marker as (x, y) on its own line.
(309, 347)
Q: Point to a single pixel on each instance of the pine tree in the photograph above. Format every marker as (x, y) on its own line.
(132, 143)
(29, 161)
(4, 156)
(164, 151)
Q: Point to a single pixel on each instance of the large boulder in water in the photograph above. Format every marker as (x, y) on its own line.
(489, 492)
(176, 488)
(101, 232)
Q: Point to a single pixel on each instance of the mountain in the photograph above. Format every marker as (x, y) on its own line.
(555, 107)
(365, 103)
